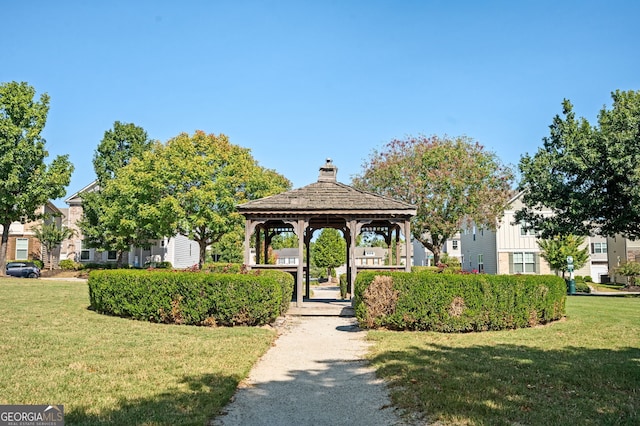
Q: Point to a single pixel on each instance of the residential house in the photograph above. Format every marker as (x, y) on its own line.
(621, 250)
(179, 250)
(23, 245)
(512, 249)
(424, 257)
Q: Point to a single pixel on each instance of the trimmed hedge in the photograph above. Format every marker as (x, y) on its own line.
(457, 303)
(190, 298)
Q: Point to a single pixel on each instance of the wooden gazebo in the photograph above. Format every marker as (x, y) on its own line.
(326, 203)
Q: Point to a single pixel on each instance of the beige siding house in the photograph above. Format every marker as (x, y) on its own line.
(179, 250)
(621, 250)
(511, 249)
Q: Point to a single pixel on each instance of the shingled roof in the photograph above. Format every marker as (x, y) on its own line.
(327, 195)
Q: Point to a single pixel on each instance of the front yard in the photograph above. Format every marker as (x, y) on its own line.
(105, 370)
(584, 370)
(108, 370)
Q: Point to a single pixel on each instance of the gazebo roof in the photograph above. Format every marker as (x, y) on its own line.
(327, 196)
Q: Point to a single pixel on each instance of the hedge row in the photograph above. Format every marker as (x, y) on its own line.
(457, 303)
(191, 298)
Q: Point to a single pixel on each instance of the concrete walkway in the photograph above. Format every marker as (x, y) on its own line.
(313, 375)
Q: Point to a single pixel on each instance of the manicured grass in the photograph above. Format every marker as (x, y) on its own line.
(584, 370)
(108, 370)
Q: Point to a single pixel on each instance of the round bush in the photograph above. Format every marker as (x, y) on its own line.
(457, 303)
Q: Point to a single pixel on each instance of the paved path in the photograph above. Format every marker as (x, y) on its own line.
(314, 375)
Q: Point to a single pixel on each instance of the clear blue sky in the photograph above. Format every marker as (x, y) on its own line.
(299, 81)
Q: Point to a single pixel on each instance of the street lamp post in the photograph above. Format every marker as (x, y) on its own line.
(572, 282)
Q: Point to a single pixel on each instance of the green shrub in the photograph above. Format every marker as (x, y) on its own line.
(457, 302)
(285, 281)
(588, 279)
(69, 265)
(39, 263)
(224, 268)
(187, 298)
(158, 265)
(582, 287)
(344, 286)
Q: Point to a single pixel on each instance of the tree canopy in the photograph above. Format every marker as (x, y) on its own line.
(587, 175)
(449, 180)
(556, 250)
(191, 186)
(329, 250)
(26, 181)
(51, 236)
(112, 219)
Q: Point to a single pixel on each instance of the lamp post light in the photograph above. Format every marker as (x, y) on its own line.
(572, 282)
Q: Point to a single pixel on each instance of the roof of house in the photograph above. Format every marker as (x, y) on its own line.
(327, 195)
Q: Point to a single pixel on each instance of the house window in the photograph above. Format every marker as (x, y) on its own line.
(524, 262)
(84, 252)
(376, 261)
(524, 231)
(112, 255)
(480, 263)
(454, 244)
(598, 248)
(22, 248)
(369, 253)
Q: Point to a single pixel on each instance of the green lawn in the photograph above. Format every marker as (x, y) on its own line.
(108, 370)
(584, 370)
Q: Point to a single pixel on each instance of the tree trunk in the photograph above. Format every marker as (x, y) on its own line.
(119, 261)
(3, 247)
(203, 252)
(50, 256)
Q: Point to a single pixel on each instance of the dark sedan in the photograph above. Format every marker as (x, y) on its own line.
(23, 270)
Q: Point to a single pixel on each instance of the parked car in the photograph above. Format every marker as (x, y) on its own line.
(23, 270)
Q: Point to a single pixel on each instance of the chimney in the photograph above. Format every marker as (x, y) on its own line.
(328, 172)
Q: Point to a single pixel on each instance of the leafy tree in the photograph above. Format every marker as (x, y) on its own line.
(329, 250)
(284, 240)
(117, 147)
(450, 181)
(194, 184)
(631, 270)
(51, 236)
(26, 182)
(230, 247)
(587, 175)
(556, 250)
(112, 220)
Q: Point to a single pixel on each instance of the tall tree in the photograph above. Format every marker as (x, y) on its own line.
(198, 180)
(111, 220)
(587, 175)
(556, 250)
(51, 236)
(329, 250)
(117, 147)
(26, 181)
(449, 180)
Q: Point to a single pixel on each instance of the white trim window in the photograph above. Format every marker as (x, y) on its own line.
(112, 255)
(22, 248)
(598, 248)
(524, 263)
(480, 263)
(85, 254)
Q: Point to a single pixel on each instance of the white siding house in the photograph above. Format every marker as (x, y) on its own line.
(511, 249)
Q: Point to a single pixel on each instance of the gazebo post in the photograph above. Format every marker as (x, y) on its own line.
(299, 275)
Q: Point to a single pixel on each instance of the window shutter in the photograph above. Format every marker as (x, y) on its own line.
(593, 248)
(511, 263)
(536, 258)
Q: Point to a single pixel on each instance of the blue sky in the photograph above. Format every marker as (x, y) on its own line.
(300, 81)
